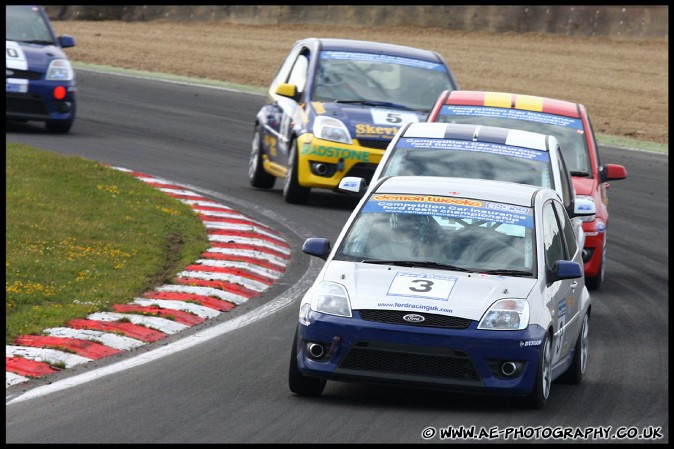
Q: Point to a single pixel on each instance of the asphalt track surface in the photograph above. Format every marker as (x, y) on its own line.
(225, 381)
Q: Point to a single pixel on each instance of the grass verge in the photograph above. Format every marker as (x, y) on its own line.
(81, 237)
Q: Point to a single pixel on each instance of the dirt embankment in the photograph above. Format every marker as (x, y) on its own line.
(622, 82)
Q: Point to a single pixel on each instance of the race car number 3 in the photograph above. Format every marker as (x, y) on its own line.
(420, 285)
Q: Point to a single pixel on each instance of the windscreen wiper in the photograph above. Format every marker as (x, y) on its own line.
(375, 103)
(38, 42)
(418, 264)
(509, 272)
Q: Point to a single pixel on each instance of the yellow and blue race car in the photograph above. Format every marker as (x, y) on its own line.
(333, 107)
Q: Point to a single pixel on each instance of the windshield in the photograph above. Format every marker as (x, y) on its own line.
(456, 233)
(369, 77)
(24, 23)
(467, 159)
(568, 131)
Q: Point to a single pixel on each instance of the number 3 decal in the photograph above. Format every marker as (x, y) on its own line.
(417, 285)
(425, 286)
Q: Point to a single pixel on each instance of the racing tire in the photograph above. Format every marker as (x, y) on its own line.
(541, 391)
(256, 174)
(59, 126)
(300, 384)
(293, 192)
(574, 374)
(595, 282)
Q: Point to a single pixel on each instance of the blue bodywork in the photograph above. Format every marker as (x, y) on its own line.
(40, 82)
(478, 353)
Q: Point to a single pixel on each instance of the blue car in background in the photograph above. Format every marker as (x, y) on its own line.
(40, 81)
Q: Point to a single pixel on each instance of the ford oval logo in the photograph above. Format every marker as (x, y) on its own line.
(413, 318)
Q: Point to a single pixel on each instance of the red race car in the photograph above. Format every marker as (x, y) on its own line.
(567, 121)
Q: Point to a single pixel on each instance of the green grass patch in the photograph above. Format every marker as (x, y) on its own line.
(81, 237)
(624, 142)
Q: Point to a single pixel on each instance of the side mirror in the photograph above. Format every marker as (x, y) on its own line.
(66, 41)
(564, 269)
(584, 207)
(352, 185)
(318, 247)
(286, 90)
(612, 172)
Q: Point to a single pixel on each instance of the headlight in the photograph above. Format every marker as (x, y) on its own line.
(506, 315)
(331, 298)
(585, 199)
(329, 128)
(60, 70)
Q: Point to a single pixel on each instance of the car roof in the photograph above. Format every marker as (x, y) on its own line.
(480, 189)
(370, 47)
(514, 101)
(480, 133)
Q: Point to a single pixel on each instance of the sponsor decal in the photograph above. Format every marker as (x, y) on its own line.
(336, 153)
(461, 208)
(508, 208)
(561, 309)
(601, 226)
(427, 199)
(16, 85)
(318, 106)
(364, 130)
(514, 114)
(348, 184)
(381, 58)
(479, 147)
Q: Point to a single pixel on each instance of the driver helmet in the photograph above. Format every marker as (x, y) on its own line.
(409, 227)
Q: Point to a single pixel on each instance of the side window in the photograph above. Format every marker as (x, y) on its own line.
(298, 74)
(552, 236)
(567, 230)
(284, 71)
(594, 142)
(567, 187)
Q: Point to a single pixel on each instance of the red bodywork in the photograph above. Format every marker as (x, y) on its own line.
(594, 186)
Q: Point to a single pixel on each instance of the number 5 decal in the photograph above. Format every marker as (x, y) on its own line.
(393, 117)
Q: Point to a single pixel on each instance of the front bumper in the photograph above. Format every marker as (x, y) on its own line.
(323, 164)
(595, 238)
(39, 104)
(456, 359)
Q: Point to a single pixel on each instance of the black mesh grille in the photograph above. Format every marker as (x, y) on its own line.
(25, 104)
(430, 320)
(374, 143)
(362, 170)
(25, 74)
(406, 361)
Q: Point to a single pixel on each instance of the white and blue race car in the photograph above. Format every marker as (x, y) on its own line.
(451, 283)
(40, 81)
